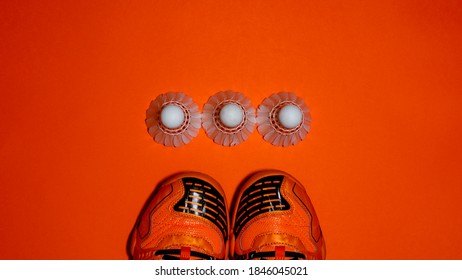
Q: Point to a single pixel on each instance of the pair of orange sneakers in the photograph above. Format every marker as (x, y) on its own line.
(187, 218)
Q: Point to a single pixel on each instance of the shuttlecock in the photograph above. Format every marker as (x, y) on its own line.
(173, 119)
(283, 119)
(228, 118)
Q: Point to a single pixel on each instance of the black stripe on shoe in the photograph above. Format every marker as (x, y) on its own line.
(261, 197)
(202, 199)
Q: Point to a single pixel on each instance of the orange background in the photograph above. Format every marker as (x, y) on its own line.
(383, 163)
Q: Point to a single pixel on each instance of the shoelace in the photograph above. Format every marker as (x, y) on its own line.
(279, 253)
(272, 254)
(178, 254)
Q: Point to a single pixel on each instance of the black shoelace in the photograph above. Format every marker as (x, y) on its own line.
(174, 254)
(271, 254)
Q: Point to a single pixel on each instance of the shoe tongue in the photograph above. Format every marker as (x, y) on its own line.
(185, 253)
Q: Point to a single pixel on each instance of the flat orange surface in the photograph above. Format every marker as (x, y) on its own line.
(382, 164)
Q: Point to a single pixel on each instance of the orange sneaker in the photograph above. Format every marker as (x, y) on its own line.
(274, 219)
(186, 218)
